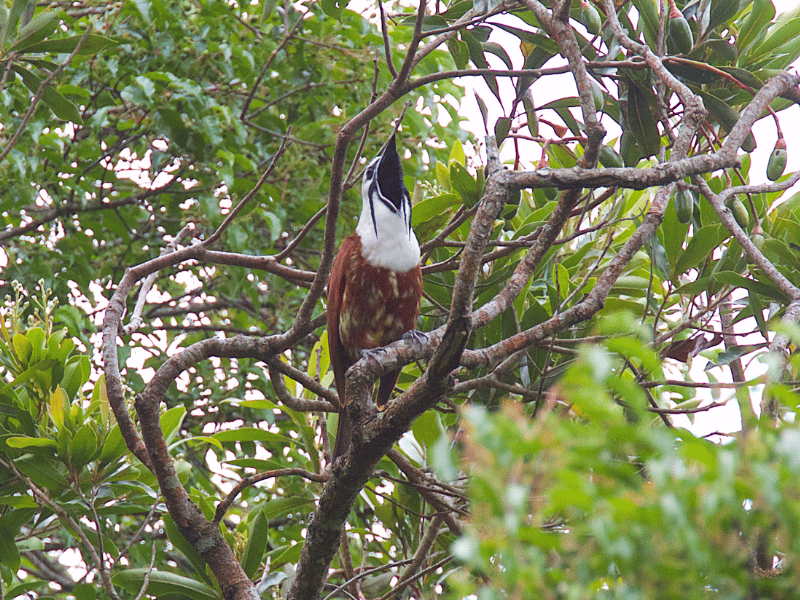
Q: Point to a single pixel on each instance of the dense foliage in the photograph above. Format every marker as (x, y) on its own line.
(599, 270)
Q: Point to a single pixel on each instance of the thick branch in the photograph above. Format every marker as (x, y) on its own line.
(379, 433)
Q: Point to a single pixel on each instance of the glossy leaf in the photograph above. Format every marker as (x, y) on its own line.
(9, 554)
(61, 107)
(92, 44)
(257, 541)
(699, 247)
(162, 583)
(42, 472)
(476, 55)
(761, 14)
(189, 551)
(752, 285)
(726, 116)
(640, 118)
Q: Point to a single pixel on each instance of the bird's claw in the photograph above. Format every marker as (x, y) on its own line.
(372, 352)
(415, 337)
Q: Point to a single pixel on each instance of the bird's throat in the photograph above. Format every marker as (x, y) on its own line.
(387, 239)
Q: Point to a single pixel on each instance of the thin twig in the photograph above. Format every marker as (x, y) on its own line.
(386, 44)
(277, 369)
(425, 545)
(249, 196)
(366, 573)
(303, 232)
(268, 64)
(225, 504)
(136, 317)
(146, 580)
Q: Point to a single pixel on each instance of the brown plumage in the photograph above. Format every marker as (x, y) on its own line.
(368, 307)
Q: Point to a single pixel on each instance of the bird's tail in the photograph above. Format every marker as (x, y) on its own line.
(344, 434)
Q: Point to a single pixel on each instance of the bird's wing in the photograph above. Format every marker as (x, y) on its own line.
(389, 380)
(339, 359)
(336, 284)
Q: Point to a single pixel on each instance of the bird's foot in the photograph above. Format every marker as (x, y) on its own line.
(372, 352)
(416, 338)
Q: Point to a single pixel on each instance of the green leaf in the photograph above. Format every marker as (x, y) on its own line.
(54, 342)
(729, 355)
(36, 337)
(22, 347)
(757, 309)
(64, 445)
(76, 373)
(776, 37)
(255, 463)
(535, 39)
(3, 24)
(85, 591)
(61, 107)
(427, 428)
(501, 129)
(761, 14)
(648, 11)
(183, 545)
(29, 586)
(477, 57)
(249, 434)
(134, 488)
(457, 153)
(34, 32)
(499, 52)
(674, 234)
(699, 248)
(42, 472)
(640, 118)
(722, 11)
(459, 51)
(257, 540)
(40, 24)
(162, 583)
(333, 8)
(743, 76)
(10, 19)
(751, 285)
(84, 447)
(279, 507)
(9, 554)
(533, 119)
(13, 520)
(171, 422)
(269, 6)
(463, 183)
(287, 554)
(428, 208)
(113, 446)
(30, 442)
(93, 44)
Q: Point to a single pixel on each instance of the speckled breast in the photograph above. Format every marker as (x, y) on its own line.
(378, 305)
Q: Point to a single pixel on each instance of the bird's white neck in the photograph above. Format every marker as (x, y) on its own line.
(387, 239)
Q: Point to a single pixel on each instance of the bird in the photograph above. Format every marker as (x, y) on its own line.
(375, 285)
